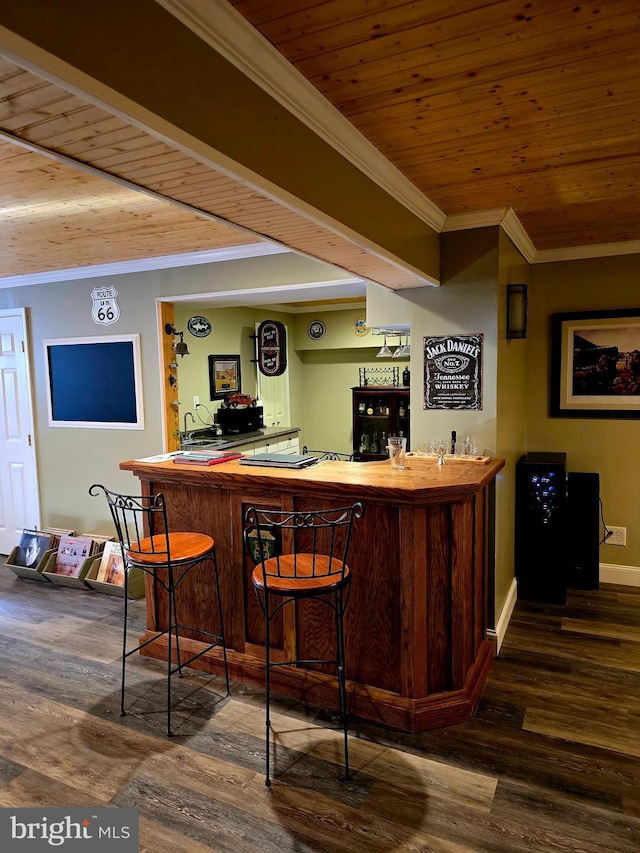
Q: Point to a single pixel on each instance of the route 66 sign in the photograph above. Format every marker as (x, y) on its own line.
(105, 308)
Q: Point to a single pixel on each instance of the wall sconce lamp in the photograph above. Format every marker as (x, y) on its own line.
(516, 311)
(179, 347)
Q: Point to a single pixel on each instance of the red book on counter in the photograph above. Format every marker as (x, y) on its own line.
(206, 457)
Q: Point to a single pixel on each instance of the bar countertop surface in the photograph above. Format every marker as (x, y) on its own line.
(421, 481)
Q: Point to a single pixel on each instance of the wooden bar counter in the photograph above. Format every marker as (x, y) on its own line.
(416, 644)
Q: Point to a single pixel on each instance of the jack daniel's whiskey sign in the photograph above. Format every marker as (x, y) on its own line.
(453, 372)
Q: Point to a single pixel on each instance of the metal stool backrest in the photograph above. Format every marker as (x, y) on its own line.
(323, 534)
(138, 519)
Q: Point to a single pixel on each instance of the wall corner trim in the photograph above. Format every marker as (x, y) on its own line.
(498, 633)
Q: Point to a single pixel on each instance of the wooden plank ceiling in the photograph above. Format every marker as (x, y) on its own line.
(482, 105)
(113, 224)
(529, 104)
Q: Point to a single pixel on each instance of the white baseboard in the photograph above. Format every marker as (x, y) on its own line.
(609, 573)
(626, 575)
(500, 630)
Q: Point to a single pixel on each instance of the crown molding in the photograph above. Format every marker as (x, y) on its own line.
(577, 253)
(478, 219)
(254, 250)
(230, 35)
(505, 217)
(514, 229)
(508, 220)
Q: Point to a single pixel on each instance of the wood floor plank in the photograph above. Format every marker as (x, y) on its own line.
(550, 762)
(605, 729)
(156, 837)
(32, 788)
(601, 651)
(406, 771)
(583, 826)
(70, 631)
(617, 630)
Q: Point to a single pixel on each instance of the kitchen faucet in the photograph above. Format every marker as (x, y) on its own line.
(193, 421)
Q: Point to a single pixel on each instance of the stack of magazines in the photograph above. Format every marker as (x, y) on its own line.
(206, 457)
(111, 568)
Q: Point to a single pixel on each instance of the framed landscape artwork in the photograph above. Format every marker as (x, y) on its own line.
(224, 375)
(595, 364)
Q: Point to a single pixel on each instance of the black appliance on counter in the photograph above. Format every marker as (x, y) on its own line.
(241, 419)
(556, 529)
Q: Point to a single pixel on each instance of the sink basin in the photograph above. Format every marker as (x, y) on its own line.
(186, 443)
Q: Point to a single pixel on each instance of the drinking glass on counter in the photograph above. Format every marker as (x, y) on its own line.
(397, 448)
(441, 447)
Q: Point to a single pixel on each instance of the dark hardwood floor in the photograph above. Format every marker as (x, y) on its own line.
(549, 764)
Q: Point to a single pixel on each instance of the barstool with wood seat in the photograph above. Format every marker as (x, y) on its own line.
(143, 533)
(314, 565)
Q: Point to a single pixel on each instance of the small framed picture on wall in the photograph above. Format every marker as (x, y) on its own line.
(224, 375)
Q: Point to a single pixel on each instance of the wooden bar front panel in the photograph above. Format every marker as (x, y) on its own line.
(415, 629)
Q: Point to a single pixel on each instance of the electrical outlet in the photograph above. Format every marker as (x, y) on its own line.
(618, 536)
(196, 402)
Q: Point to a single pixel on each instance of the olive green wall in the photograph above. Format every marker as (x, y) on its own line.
(511, 393)
(609, 447)
(71, 459)
(321, 372)
(331, 369)
(477, 267)
(231, 333)
(468, 302)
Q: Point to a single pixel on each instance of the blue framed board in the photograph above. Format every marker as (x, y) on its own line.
(94, 382)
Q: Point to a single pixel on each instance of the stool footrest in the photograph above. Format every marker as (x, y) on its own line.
(190, 660)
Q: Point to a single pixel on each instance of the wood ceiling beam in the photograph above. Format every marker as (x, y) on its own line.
(149, 68)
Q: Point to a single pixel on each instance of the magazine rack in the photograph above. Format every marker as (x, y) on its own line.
(64, 580)
(33, 573)
(135, 584)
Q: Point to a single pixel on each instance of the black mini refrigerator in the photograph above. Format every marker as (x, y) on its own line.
(556, 530)
(540, 547)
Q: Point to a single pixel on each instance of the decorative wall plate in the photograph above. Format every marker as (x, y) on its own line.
(316, 330)
(199, 326)
(360, 327)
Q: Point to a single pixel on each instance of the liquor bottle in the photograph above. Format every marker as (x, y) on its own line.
(401, 410)
(362, 407)
(373, 447)
(379, 407)
(383, 442)
(406, 376)
(363, 444)
(370, 407)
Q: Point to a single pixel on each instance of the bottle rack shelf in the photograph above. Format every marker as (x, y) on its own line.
(378, 412)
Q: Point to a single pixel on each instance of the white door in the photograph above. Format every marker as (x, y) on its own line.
(19, 505)
(274, 393)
